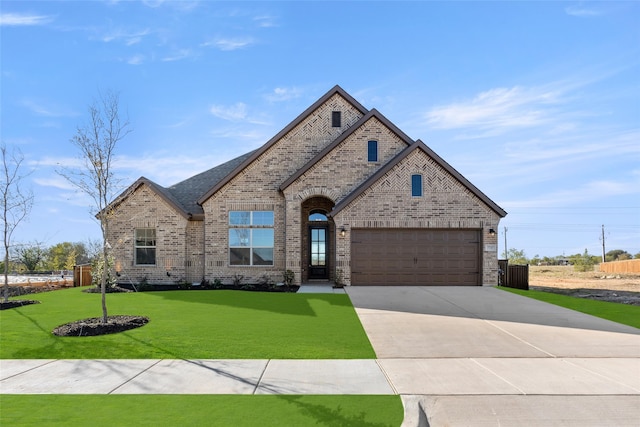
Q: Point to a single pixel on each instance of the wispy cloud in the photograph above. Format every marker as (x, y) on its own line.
(229, 44)
(128, 37)
(47, 110)
(182, 5)
(591, 191)
(179, 55)
(235, 112)
(20, 19)
(55, 182)
(283, 94)
(497, 109)
(135, 60)
(583, 11)
(265, 21)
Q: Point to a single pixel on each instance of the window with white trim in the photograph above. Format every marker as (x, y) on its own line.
(145, 246)
(251, 238)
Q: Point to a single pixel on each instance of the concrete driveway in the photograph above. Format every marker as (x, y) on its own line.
(482, 356)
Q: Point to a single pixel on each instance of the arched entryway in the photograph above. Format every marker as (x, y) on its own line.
(318, 242)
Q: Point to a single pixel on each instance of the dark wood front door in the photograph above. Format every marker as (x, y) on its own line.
(318, 252)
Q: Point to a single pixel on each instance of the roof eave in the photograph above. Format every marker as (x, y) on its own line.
(417, 145)
(364, 119)
(154, 187)
(335, 90)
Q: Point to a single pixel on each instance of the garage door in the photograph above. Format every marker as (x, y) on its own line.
(415, 257)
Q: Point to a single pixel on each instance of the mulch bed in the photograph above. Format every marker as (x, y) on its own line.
(16, 303)
(94, 326)
(108, 290)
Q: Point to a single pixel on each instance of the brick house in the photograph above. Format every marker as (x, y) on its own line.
(340, 192)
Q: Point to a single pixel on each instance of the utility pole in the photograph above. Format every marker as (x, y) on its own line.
(603, 250)
(506, 253)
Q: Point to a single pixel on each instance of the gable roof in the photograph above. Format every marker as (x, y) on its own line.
(188, 192)
(183, 195)
(257, 153)
(364, 119)
(418, 145)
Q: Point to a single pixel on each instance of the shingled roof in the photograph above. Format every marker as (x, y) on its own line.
(188, 192)
(184, 195)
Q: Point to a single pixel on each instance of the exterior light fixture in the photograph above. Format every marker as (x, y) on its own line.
(492, 232)
(343, 232)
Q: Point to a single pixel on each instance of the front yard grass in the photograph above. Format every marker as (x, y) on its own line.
(190, 325)
(200, 410)
(620, 313)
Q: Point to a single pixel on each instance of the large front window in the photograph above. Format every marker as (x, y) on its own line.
(251, 238)
(145, 246)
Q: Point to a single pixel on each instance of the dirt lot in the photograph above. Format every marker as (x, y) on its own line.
(621, 288)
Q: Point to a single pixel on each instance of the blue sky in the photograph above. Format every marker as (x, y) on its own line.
(536, 103)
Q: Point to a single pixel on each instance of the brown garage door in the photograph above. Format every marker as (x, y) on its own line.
(415, 257)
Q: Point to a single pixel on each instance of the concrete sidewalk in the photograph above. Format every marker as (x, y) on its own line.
(451, 377)
(457, 356)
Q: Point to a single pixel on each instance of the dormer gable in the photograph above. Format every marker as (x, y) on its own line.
(331, 120)
(373, 114)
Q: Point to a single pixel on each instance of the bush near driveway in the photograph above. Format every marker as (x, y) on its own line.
(190, 325)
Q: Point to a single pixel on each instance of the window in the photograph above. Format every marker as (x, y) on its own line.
(336, 119)
(372, 151)
(251, 238)
(416, 185)
(317, 215)
(145, 246)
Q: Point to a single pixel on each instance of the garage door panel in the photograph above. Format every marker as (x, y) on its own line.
(415, 257)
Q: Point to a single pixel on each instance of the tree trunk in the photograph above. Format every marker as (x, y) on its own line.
(103, 284)
(6, 273)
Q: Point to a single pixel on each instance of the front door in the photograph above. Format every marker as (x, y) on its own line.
(318, 255)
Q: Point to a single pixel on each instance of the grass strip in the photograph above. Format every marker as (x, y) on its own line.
(200, 410)
(215, 324)
(621, 313)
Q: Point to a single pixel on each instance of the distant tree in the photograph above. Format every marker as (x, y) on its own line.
(637, 256)
(15, 202)
(548, 260)
(93, 249)
(97, 142)
(584, 262)
(617, 255)
(63, 256)
(536, 260)
(31, 255)
(516, 256)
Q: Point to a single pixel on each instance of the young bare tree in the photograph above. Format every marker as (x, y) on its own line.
(96, 142)
(15, 202)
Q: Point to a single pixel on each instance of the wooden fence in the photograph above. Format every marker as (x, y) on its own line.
(82, 275)
(621, 267)
(513, 276)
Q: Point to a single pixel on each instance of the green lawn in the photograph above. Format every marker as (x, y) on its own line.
(620, 313)
(200, 410)
(190, 325)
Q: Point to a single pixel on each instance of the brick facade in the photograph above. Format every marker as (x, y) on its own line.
(309, 166)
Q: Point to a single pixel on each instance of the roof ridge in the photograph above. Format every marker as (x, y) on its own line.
(344, 135)
(419, 144)
(257, 153)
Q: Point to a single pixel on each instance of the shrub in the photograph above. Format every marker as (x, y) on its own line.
(288, 277)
